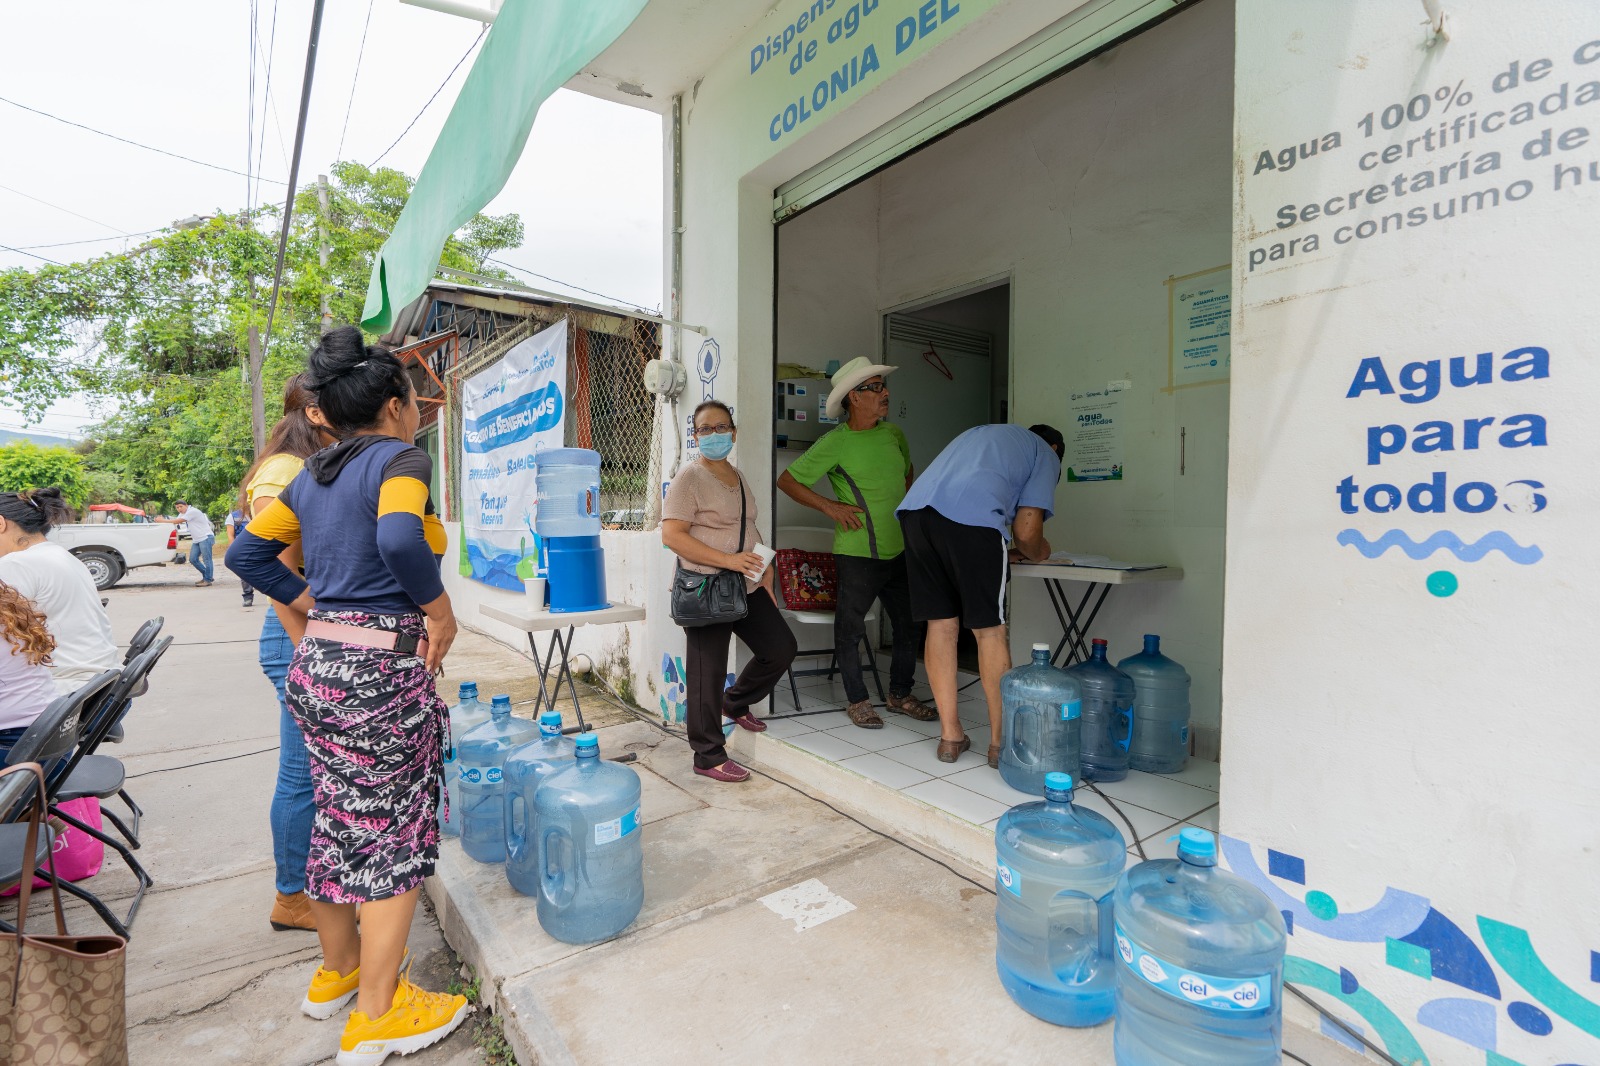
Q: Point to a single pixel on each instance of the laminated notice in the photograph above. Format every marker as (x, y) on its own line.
(616, 828)
(1227, 994)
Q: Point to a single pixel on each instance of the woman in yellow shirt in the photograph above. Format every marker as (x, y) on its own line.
(293, 440)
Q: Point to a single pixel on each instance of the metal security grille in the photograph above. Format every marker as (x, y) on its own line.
(608, 408)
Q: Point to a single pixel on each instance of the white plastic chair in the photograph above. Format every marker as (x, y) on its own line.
(815, 539)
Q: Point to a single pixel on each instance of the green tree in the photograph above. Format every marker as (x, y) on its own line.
(25, 465)
(165, 325)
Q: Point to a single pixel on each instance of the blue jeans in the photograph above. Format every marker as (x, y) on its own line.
(200, 559)
(293, 801)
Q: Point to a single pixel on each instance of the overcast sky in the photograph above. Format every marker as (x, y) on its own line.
(175, 74)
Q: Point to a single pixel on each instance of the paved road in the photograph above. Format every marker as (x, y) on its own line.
(208, 979)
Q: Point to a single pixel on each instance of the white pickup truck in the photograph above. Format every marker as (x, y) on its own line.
(110, 550)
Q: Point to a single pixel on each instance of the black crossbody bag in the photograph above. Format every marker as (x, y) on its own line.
(711, 599)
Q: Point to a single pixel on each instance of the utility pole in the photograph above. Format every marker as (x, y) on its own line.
(322, 247)
(258, 413)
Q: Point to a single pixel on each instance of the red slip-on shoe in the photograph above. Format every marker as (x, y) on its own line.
(729, 772)
(746, 720)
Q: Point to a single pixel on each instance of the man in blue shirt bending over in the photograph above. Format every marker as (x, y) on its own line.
(955, 518)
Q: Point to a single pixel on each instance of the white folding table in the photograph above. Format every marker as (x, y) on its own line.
(560, 627)
(1075, 623)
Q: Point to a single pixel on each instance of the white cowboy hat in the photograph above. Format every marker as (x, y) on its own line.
(848, 377)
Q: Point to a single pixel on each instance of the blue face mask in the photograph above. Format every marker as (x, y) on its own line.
(715, 445)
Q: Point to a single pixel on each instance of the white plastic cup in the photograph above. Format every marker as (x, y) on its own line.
(534, 586)
(766, 554)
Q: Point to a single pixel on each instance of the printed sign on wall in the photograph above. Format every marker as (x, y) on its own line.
(511, 412)
(1094, 435)
(1200, 313)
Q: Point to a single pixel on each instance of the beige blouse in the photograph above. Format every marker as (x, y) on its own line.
(711, 508)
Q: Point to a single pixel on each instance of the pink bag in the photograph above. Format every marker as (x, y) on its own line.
(78, 855)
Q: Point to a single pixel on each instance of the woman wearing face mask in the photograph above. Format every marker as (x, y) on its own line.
(293, 440)
(700, 523)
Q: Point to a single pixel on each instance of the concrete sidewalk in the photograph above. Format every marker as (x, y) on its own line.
(208, 979)
(776, 928)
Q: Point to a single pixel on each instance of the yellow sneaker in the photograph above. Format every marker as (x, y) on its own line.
(329, 991)
(417, 1020)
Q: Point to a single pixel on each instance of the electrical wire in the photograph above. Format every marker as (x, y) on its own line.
(87, 240)
(1133, 833)
(136, 144)
(1369, 1045)
(567, 284)
(1291, 1055)
(67, 210)
(373, 165)
(202, 762)
(266, 96)
(354, 80)
(30, 255)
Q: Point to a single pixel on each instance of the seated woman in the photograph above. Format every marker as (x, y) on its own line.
(58, 584)
(25, 685)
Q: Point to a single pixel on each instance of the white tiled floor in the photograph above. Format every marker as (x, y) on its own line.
(901, 756)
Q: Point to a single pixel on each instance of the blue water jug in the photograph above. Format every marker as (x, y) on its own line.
(577, 574)
(1200, 976)
(567, 483)
(590, 857)
(465, 716)
(526, 768)
(1107, 715)
(1041, 709)
(1160, 740)
(482, 754)
(1055, 868)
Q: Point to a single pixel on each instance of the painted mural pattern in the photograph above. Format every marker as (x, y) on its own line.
(1485, 987)
(674, 682)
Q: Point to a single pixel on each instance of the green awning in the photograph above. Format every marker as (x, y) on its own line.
(533, 48)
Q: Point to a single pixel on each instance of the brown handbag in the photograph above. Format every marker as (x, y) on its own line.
(61, 997)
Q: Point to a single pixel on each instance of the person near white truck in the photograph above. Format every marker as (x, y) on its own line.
(111, 549)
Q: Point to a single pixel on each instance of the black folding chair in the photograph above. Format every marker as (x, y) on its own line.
(142, 639)
(86, 773)
(18, 786)
(51, 739)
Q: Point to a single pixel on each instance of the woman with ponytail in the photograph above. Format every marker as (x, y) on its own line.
(372, 623)
(292, 441)
(57, 583)
(25, 685)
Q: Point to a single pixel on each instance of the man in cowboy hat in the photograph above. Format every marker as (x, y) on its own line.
(868, 463)
(955, 520)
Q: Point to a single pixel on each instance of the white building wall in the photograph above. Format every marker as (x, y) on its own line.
(1410, 724)
(1088, 192)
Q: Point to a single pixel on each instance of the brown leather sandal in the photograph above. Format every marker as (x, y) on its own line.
(863, 715)
(912, 707)
(950, 750)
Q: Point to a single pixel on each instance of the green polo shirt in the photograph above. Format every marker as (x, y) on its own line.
(867, 468)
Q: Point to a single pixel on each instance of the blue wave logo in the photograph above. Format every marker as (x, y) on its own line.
(1450, 542)
(516, 421)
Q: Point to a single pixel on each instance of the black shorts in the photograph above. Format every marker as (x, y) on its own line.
(956, 571)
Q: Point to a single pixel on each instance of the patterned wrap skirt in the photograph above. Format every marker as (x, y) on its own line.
(374, 728)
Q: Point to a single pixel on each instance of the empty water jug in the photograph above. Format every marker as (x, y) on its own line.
(465, 716)
(1040, 716)
(1160, 740)
(526, 768)
(1055, 868)
(1200, 976)
(1107, 715)
(482, 754)
(567, 483)
(591, 861)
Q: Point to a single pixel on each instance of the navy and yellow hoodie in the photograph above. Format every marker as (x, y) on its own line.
(367, 528)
